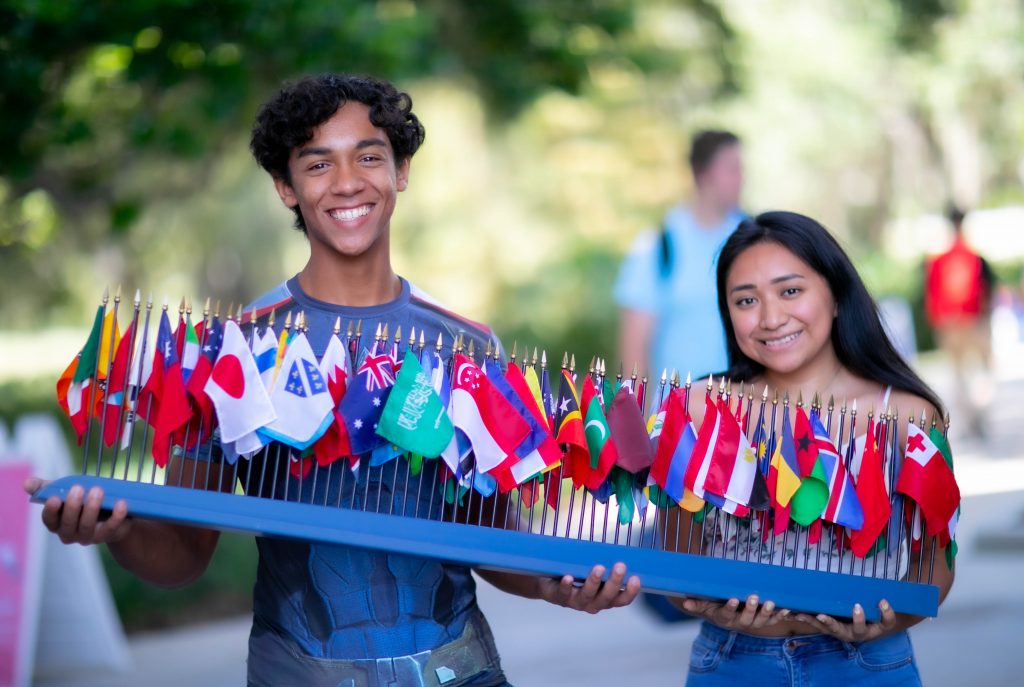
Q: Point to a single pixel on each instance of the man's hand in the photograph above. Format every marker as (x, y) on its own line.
(858, 629)
(594, 595)
(729, 616)
(77, 519)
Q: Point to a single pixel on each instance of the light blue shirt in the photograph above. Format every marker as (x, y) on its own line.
(688, 334)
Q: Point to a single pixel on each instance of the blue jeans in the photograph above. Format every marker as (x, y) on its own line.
(723, 657)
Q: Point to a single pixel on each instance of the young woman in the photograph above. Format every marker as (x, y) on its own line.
(798, 318)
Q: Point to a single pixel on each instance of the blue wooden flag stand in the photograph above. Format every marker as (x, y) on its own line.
(662, 572)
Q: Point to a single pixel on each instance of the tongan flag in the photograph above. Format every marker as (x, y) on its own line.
(843, 506)
(874, 498)
(928, 480)
(235, 388)
(493, 426)
(364, 400)
(300, 397)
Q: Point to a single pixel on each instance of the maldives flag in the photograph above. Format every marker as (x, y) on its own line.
(174, 409)
(117, 382)
(334, 367)
(570, 434)
(494, 428)
(843, 507)
(874, 498)
(74, 385)
(235, 389)
(928, 480)
(601, 448)
(733, 473)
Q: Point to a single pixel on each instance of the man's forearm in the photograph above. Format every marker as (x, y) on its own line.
(521, 585)
(164, 554)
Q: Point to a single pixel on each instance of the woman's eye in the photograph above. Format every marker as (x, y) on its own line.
(791, 291)
(743, 302)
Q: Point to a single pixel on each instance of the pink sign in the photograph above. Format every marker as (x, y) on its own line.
(15, 511)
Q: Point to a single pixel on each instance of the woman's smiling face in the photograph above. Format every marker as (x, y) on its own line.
(781, 309)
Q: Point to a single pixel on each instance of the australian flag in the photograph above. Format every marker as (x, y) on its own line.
(364, 400)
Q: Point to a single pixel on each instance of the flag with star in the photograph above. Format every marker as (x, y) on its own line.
(195, 385)
(569, 430)
(300, 397)
(364, 399)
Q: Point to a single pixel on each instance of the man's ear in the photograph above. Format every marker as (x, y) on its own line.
(286, 192)
(402, 174)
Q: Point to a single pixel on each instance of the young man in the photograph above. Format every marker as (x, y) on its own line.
(666, 287)
(339, 150)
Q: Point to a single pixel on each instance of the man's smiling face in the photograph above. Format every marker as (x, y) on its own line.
(344, 181)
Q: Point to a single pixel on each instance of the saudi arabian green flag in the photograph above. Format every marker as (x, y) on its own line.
(942, 444)
(414, 418)
(622, 484)
(811, 497)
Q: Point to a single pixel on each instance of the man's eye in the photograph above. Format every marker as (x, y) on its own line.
(316, 166)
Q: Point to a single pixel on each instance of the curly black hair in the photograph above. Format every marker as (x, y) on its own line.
(287, 120)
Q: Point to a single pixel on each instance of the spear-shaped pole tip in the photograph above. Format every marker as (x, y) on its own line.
(785, 398)
(106, 294)
(853, 407)
(398, 333)
(376, 336)
(412, 337)
(515, 350)
(166, 302)
(543, 360)
(689, 379)
(149, 300)
(216, 309)
(359, 329)
(423, 340)
(288, 321)
(799, 399)
(272, 318)
(487, 350)
(440, 342)
(337, 325)
(572, 363)
(472, 349)
(239, 313)
(138, 298)
(636, 370)
(565, 360)
(711, 383)
(831, 402)
(764, 394)
(533, 361)
(206, 307)
(385, 332)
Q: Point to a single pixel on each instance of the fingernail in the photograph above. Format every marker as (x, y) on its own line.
(884, 605)
(822, 618)
(769, 606)
(752, 599)
(620, 568)
(784, 612)
(94, 494)
(857, 608)
(75, 491)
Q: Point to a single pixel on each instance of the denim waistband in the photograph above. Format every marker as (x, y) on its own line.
(732, 640)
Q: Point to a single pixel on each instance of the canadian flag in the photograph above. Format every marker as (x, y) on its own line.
(234, 386)
(492, 425)
(926, 478)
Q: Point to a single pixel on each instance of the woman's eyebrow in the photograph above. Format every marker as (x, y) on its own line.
(776, 280)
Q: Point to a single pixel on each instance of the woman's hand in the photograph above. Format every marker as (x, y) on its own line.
(729, 616)
(76, 520)
(858, 629)
(594, 595)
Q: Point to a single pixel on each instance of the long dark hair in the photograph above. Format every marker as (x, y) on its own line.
(858, 337)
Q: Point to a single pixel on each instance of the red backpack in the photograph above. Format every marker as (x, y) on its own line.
(954, 288)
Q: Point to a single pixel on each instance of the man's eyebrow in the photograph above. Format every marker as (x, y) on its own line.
(777, 280)
(312, 151)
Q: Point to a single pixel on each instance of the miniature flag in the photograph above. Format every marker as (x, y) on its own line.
(676, 442)
(414, 417)
(213, 339)
(784, 469)
(494, 428)
(733, 473)
(190, 349)
(806, 447)
(629, 432)
(545, 454)
(928, 480)
(73, 393)
(570, 434)
(235, 388)
(599, 442)
(874, 497)
(527, 451)
(843, 507)
(107, 344)
(117, 381)
(264, 352)
(334, 367)
(300, 397)
(365, 398)
(702, 459)
(174, 409)
(947, 539)
(810, 499)
(547, 397)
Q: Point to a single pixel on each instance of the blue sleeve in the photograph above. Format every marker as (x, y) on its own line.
(637, 285)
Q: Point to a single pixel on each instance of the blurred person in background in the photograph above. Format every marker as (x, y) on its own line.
(666, 286)
(958, 305)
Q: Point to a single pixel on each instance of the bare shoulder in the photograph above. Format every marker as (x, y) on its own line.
(911, 405)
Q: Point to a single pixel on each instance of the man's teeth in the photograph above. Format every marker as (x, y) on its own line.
(781, 342)
(349, 214)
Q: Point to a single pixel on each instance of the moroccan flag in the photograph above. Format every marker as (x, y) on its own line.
(874, 498)
(174, 410)
(117, 382)
(947, 539)
(733, 472)
(927, 479)
(300, 397)
(235, 389)
(76, 398)
(414, 417)
(843, 506)
(570, 434)
(601, 448)
(629, 433)
(365, 398)
(493, 426)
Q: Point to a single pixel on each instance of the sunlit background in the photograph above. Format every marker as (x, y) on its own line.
(556, 131)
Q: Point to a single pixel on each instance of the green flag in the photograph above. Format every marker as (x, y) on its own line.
(811, 497)
(622, 483)
(414, 418)
(942, 444)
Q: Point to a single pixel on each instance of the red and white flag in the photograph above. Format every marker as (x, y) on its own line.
(492, 425)
(235, 387)
(927, 479)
